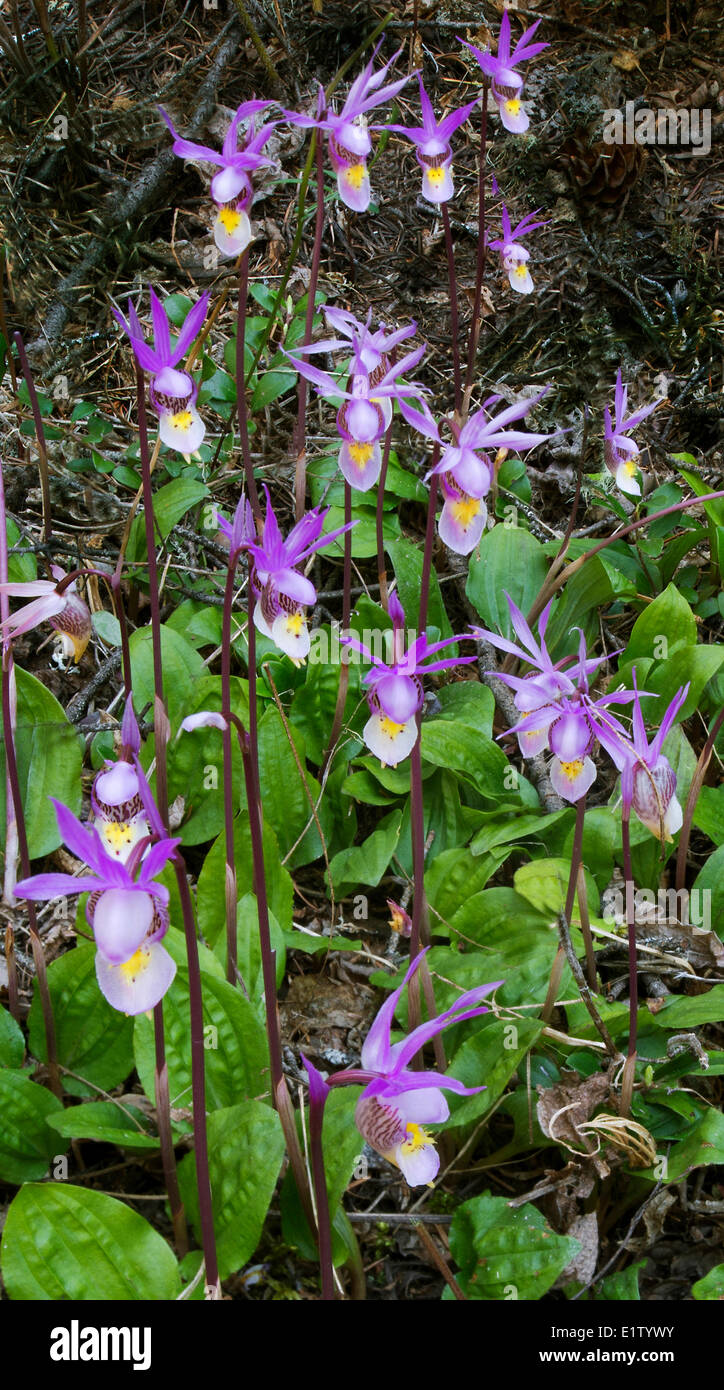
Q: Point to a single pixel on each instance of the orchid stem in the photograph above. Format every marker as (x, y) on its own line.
(160, 718)
(316, 1117)
(576, 865)
(452, 280)
(627, 1079)
(163, 1117)
(299, 448)
(241, 383)
(346, 609)
(230, 894)
(476, 322)
(380, 519)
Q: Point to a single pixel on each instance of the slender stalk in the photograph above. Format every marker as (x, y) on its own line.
(163, 1117)
(160, 718)
(12, 969)
(627, 1079)
(241, 383)
(3, 323)
(427, 552)
(476, 321)
(231, 891)
(452, 282)
(39, 435)
(346, 609)
(198, 1082)
(576, 865)
(298, 445)
(697, 782)
(551, 585)
(417, 826)
(380, 518)
(316, 1116)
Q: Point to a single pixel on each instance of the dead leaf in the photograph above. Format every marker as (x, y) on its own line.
(584, 1229)
(625, 60)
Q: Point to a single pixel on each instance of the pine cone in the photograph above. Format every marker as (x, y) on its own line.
(600, 173)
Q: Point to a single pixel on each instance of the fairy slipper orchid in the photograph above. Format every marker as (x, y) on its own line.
(432, 146)
(283, 594)
(620, 453)
(648, 781)
(395, 693)
(349, 139)
(232, 188)
(63, 608)
(506, 83)
(397, 1101)
(127, 910)
(172, 392)
(515, 257)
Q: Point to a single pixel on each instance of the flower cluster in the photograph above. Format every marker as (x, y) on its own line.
(397, 1101)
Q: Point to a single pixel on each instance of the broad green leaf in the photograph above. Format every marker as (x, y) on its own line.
(170, 504)
(106, 1122)
(314, 703)
(94, 1041)
(108, 628)
(507, 559)
(506, 1252)
(664, 626)
(210, 891)
(470, 702)
(710, 886)
(196, 763)
(287, 807)
(692, 665)
(248, 950)
(585, 594)
(21, 568)
(454, 877)
(624, 1285)
(366, 863)
(463, 749)
(711, 1287)
(544, 882)
(27, 1145)
(445, 822)
(235, 1049)
(407, 563)
(12, 1042)
(49, 753)
(269, 387)
(246, 1148)
(364, 533)
(709, 814)
(63, 1242)
(682, 1011)
(182, 667)
(515, 827)
(703, 1146)
(489, 1058)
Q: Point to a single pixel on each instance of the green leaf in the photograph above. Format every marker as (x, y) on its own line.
(705, 1145)
(27, 1145)
(711, 1287)
(681, 1011)
(248, 950)
(624, 1285)
(364, 532)
(21, 568)
(196, 763)
(469, 702)
(515, 826)
(176, 307)
(12, 1042)
(544, 883)
(269, 387)
(478, 759)
(709, 813)
(170, 504)
(93, 1040)
(63, 1243)
(407, 563)
(695, 665)
(489, 1058)
(105, 1122)
(246, 1148)
(235, 1049)
(182, 667)
(670, 618)
(211, 893)
(711, 882)
(286, 804)
(510, 559)
(108, 628)
(366, 863)
(505, 1252)
(585, 594)
(49, 754)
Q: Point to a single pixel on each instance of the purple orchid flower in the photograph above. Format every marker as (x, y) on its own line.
(283, 593)
(115, 797)
(621, 454)
(559, 714)
(240, 531)
(466, 469)
(127, 911)
(372, 350)
(361, 419)
(648, 781)
(231, 189)
(514, 256)
(349, 141)
(172, 392)
(397, 1101)
(396, 695)
(432, 143)
(506, 83)
(65, 611)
